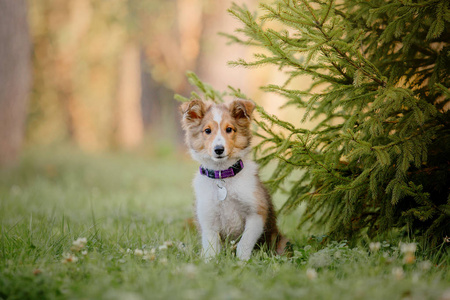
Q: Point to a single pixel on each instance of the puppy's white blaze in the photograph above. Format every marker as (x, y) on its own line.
(218, 140)
(217, 115)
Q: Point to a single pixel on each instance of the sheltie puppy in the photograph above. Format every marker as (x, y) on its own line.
(231, 202)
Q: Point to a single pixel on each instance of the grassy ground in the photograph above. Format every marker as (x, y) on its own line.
(133, 211)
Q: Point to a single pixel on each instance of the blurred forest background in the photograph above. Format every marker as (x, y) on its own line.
(102, 74)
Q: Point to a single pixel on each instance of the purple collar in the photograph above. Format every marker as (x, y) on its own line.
(220, 174)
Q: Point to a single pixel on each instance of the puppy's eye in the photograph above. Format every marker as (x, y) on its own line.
(208, 130)
(229, 130)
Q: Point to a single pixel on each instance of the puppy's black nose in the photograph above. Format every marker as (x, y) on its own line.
(219, 149)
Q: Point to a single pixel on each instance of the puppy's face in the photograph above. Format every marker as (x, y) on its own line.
(217, 131)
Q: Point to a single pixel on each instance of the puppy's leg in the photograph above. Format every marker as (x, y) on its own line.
(254, 226)
(209, 231)
(210, 243)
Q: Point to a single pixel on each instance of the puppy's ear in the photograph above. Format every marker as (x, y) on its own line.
(192, 112)
(242, 109)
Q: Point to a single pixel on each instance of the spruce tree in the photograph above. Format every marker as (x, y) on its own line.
(379, 159)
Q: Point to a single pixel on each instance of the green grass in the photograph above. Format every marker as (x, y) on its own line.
(121, 202)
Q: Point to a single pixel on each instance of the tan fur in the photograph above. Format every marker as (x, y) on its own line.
(271, 237)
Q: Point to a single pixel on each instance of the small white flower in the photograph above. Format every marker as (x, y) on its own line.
(374, 247)
(311, 274)
(78, 244)
(80, 241)
(162, 247)
(69, 258)
(138, 252)
(408, 247)
(84, 252)
(398, 273)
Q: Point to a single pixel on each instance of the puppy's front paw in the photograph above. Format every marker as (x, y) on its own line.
(243, 253)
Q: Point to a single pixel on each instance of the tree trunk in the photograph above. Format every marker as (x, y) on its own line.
(15, 75)
(129, 123)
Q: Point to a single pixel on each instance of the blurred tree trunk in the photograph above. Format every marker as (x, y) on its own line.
(15, 75)
(129, 122)
(80, 122)
(190, 28)
(153, 96)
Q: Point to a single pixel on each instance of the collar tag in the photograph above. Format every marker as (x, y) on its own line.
(221, 191)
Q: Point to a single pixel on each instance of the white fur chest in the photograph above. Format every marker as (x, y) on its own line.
(227, 217)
